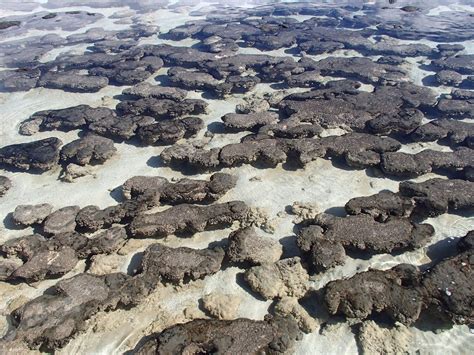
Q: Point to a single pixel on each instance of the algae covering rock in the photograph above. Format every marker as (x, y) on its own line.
(286, 277)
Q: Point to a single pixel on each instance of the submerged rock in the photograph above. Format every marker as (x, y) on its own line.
(42, 155)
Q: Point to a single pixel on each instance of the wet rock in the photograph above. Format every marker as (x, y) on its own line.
(404, 164)
(461, 94)
(42, 155)
(72, 82)
(64, 119)
(5, 185)
(275, 335)
(188, 219)
(170, 131)
(248, 122)
(290, 307)
(381, 206)
(246, 246)
(448, 50)
(177, 265)
(145, 90)
(27, 215)
(449, 78)
(90, 149)
(162, 108)
(457, 132)
(437, 196)
(61, 221)
(390, 291)
(221, 306)
(286, 277)
(183, 191)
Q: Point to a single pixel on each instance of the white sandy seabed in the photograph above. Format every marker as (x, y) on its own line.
(271, 190)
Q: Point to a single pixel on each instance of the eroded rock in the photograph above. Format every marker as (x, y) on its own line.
(90, 149)
(27, 215)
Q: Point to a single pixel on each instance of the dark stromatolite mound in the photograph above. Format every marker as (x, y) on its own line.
(182, 191)
(42, 155)
(359, 232)
(358, 149)
(187, 219)
(122, 127)
(181, 264)
(437, 196)
(456, 108)
(448, 285)
(403, 292)
(239, 336)
(392, 292)
(92, 218)
(54, 257)
(408, 165)
(381, 206)
(65, 119)
(27, 215)
(291, 129)
(5, 185)
(387, 109)
(22, 79)
(249, 121)
(457, 132)
(71, 81)
(52, 319)
(61, 221)
(170, 131)
(90, 149)
(144, 90)
(449, 78)
(462, 63)
(162, 108)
